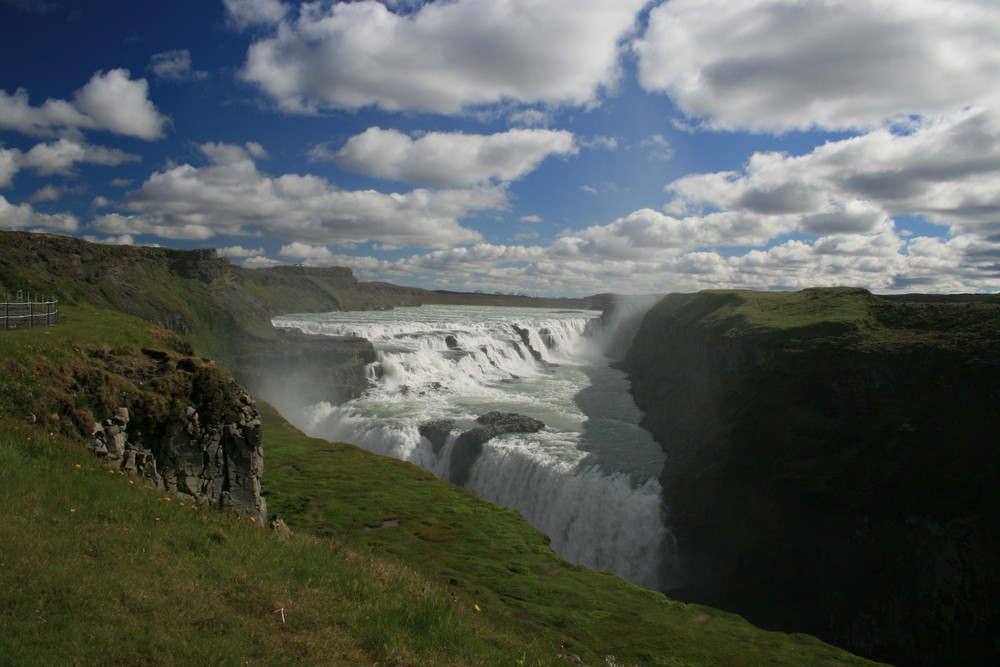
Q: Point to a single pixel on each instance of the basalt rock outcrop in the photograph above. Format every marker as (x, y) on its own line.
(173, 419)
(209, 463)
(469, 444)
(832, 464)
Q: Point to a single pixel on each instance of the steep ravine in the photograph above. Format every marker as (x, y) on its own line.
(832, 465)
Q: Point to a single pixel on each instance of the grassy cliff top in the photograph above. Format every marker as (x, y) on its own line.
(843, 316)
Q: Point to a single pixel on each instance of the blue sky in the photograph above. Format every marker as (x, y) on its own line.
(551, 147)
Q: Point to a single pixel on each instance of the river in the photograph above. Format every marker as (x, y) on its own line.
(589, 479)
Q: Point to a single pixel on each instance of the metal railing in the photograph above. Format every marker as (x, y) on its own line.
(26, 310)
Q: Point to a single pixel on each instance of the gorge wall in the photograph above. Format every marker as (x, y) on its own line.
(171, 419)
(832, 464)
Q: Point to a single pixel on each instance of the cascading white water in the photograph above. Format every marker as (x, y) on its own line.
(589, 479)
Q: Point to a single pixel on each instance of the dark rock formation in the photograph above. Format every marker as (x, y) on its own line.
(526, 341)
(211, 455)
(302, 369)
(510, 422)
(469, 444)
(525, 336)
(437, 432)
(837, 477)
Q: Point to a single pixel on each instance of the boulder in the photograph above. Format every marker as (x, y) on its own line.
(437, 432)
(469, 444)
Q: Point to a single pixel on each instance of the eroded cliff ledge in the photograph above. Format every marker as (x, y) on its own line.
(833, 464)
(145, 405)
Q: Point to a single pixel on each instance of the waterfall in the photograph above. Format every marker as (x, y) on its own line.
(589, 479)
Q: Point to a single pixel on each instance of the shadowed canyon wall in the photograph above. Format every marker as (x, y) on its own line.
(832, 464)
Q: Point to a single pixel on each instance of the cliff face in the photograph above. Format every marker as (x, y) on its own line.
(205, 447)
(302, 369)
(832, 464)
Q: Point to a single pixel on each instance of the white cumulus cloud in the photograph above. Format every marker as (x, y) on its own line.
(452, 158)
(10, 164)
(443, 57)
(110, 101)
(58, 157)
(24, 216)
(231, 196)
(777, 65)
(944, 169)
(240, 251)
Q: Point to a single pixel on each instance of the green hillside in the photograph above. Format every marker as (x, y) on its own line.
(387, 564)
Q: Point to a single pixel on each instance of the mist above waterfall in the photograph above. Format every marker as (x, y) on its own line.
(589, 479)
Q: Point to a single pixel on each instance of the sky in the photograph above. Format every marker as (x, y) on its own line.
(545, 147)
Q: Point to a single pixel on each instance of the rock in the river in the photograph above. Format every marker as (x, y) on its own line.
(469, 444)
(510, 422)
(437, 432)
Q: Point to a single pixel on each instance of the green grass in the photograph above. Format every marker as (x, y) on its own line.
(813, 314)
(840, 316)
(489, 556)
(95, 569)
(387, 565)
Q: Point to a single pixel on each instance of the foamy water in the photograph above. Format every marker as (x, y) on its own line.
(589, 479)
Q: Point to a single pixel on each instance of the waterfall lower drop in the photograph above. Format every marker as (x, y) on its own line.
(589, 479)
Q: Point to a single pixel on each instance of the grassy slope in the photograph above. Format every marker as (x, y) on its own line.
(94, 569)
(839, 316)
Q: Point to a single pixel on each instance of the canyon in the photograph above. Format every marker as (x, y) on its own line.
(831, 461)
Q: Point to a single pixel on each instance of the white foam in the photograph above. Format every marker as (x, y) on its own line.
(589, 480)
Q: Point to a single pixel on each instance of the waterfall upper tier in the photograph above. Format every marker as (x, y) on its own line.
(589, 479)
